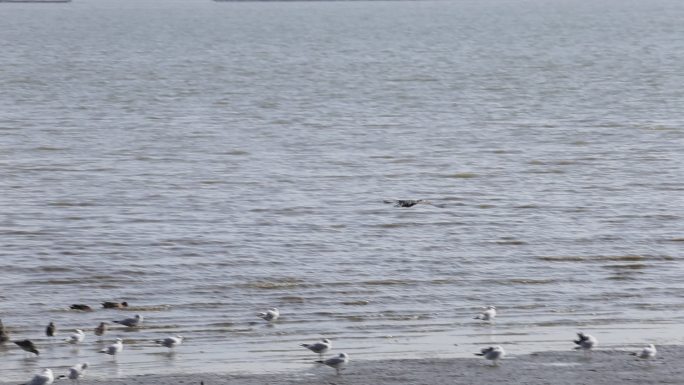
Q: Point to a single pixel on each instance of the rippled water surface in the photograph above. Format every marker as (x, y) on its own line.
(205, 161)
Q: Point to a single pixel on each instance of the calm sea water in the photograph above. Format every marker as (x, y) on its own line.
(205, 161)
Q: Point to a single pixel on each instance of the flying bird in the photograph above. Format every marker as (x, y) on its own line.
(492, 353)
(270, 315)
(27, 346)
(319, 347)
(338, 363)
(136, 321)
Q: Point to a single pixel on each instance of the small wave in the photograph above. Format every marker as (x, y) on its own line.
(461, 175)
(387, 282)
(361, 302)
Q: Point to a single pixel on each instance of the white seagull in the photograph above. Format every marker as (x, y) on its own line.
(77, 337)
(44, 378)
(136, 321)
(338, 363)
(488, 314)
(319, 347)
(647, 353)
(492, 353)
(171, 342)
(270, 315)
(114, 348)
(75, 372)
(585, 342)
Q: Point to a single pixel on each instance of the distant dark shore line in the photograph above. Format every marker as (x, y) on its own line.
(35, 1)
(600, 367)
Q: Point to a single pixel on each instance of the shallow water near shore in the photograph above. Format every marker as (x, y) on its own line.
(205, 161)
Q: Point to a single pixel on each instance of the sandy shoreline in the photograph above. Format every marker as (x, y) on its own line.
(557, 368)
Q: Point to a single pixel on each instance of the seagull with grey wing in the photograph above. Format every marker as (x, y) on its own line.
(319, 347)
(134, 322)
(114, 348)
(44, 378)
(647, 353)
(270, 315)
(170, 342)
(585, 342)
(77, 337)
(75, 372)
(492, 353)
(338, 363)
(488, 314)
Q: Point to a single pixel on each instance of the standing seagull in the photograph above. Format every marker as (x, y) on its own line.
(171, 342)
(101, 329)
(77, 337)
(50, 329)
(114, 348)
(338, 363)
(44, 378)
(270, 315)
(319, 347)
(492, 353)
(136, 321)
(585, 342)
(27, 346)
(488, 315)
(647, 353)
(75, 372)
(4, 334)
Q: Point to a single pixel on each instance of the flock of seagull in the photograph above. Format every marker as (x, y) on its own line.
(584, 342)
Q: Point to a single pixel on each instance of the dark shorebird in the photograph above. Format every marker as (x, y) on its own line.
(28, 346)
(407, 202)
(4, 334)
(136, 321)
(50, 330)
(585, 342)
(114, 305)
(270, 315)
(79, 306)
(101, 329)
(492, 353)
(338, 363)
(319, 347)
